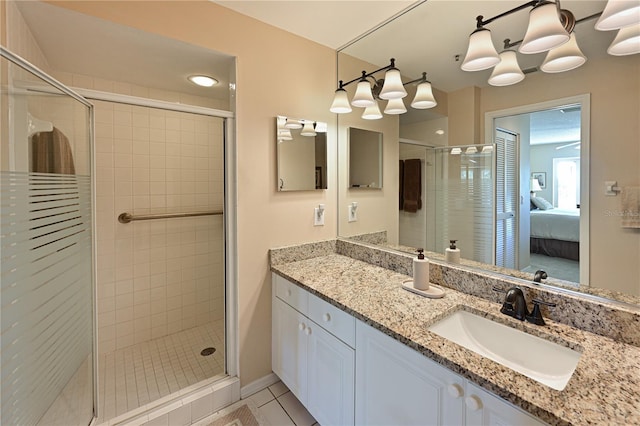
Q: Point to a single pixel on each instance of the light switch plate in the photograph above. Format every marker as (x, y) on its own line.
(318, 217)
(353, 213)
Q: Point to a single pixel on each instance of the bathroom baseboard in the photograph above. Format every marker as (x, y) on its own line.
(258, 385)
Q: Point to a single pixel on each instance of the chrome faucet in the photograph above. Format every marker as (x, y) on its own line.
(539, 276)
(515, 305)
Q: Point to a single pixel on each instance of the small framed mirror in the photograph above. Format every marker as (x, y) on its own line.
(365, 158)
(301, 153)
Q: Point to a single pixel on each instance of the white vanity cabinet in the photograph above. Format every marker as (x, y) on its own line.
(311, 359)
(397, 385)
(345, 371)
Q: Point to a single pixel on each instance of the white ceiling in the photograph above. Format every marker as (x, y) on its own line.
(435, 29)
(328, 22)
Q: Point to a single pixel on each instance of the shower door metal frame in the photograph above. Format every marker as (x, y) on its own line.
(18, 60)
(229, 216)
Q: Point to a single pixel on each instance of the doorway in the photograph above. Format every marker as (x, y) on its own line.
(552, 185)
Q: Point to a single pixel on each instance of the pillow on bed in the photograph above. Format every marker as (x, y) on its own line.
(541, 203)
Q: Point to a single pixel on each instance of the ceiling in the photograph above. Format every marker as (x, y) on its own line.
(435, 29)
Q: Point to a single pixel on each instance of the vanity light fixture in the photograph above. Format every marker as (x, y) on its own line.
(456, 151)
(369, 90)
(550, 30)
(203, 80)
(471, 150)
(508, 71)
(292, 124)
(308, 129)
(619, 14)
(627, 42)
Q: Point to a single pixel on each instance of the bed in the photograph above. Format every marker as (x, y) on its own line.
(556, 232)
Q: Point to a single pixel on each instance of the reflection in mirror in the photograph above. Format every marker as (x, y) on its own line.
(302, 154)
(365, 158)
(463, 117)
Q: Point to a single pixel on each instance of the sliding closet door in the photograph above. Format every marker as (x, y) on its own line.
(46, 236)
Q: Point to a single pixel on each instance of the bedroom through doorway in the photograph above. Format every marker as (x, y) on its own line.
(545, 175)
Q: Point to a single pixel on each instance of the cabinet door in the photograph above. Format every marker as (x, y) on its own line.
(289, 347)
(330, 378)
(485, 409)
(396, 385)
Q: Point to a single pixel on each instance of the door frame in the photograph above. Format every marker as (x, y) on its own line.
(585, 125)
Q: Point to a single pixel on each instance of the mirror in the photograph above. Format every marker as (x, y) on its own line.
(365, 158)
(301, 153)
(433, 37)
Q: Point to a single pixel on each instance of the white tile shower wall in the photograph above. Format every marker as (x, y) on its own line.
(157, 277)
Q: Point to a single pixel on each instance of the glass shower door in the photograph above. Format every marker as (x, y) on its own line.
(46, 249)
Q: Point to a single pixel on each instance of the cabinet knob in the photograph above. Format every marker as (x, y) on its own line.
(473, 403)
(326, 317)
(301, 326)
(307, 331)
(455, 390)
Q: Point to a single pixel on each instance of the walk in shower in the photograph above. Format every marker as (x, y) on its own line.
(47, 329)
(114, 236)
(160, 277)
(457, 189)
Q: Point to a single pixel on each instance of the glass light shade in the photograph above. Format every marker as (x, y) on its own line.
(564, 58)
(471, 150)
(395, 106)
(619, 14)
(487, 149)
(392, 87)
(508, 71)
(372, 112)
(627, 42)
(535, 186)
(308, 129)
(363, 97)
(456, 151)
(285, 135)
(340, 103)
(424, 97)
(292, 124)
(545, 31)
(481, 54)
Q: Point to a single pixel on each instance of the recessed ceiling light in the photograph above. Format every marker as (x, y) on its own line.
(203, 80)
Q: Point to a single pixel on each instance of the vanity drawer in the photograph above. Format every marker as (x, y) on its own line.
(290, 293)
(337, 322)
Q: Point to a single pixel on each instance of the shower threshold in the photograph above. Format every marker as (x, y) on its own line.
(135, 378)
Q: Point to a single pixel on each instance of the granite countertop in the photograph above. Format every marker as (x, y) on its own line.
(604, 389)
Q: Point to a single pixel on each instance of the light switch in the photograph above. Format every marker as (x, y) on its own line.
(353, 212)
(318, 215)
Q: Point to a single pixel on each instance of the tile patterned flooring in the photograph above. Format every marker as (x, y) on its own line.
(279, 407)
(134, 376)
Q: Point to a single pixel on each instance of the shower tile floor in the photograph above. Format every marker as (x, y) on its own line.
(132, 377)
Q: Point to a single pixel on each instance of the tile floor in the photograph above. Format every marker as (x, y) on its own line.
(134, 376)
(279, 407)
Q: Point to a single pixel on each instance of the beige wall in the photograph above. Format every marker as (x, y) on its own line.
(614, 153)
(302, 88)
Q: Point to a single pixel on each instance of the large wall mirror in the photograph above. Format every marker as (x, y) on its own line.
(301, 153)
(497, 160)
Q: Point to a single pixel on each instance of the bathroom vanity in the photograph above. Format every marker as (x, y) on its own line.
(355, 348)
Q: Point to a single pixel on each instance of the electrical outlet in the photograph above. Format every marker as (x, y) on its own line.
(318, 217)
(353, 212)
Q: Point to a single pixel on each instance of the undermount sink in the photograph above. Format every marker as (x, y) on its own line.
(544, 361)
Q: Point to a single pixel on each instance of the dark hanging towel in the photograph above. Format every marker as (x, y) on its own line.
(412, 188)
(401, 184)
(51, 153)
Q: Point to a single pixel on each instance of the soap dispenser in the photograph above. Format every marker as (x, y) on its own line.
(421, 271)
(452, 254)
